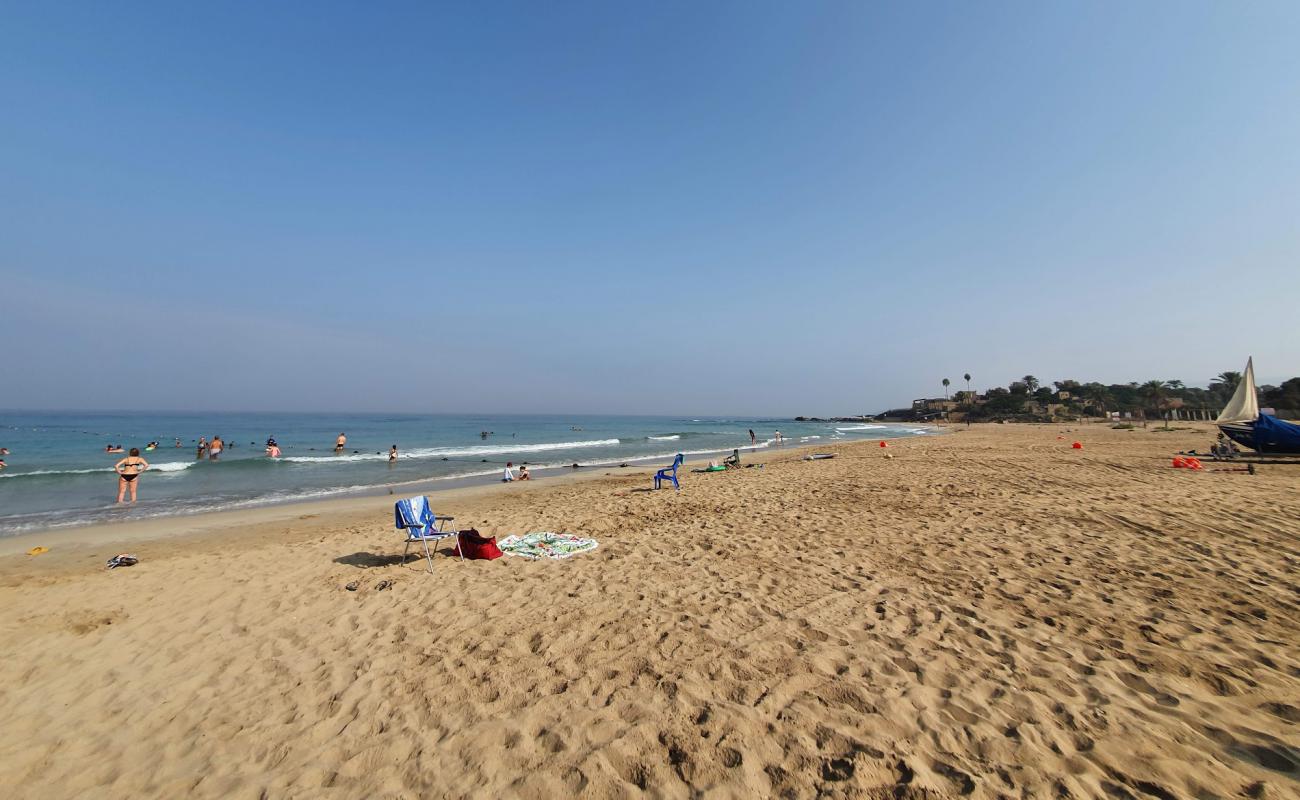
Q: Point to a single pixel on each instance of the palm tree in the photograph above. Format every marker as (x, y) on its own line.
(1174, 384)
(945, 388)
(967, 377)
(1097, 394)
(1153, 392)
(1226, 381)
(1031, 382)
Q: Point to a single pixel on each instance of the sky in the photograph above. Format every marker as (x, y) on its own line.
(681, 208)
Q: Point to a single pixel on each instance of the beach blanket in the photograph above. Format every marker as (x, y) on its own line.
(546, 544)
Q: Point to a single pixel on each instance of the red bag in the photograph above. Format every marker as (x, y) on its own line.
(477, 546)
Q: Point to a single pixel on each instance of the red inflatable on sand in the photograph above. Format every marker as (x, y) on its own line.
(1077, 445)
(884, 444)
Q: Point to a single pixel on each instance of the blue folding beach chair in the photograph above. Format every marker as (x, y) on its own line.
(670, 473)
(414, 516)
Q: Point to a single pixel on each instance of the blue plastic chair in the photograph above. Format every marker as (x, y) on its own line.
(670, 473)
(414, 516)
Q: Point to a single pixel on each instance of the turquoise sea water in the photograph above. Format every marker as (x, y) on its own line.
(59, 475)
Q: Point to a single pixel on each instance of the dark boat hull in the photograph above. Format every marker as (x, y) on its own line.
(1265, 435)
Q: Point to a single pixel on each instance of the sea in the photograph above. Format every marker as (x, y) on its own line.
(59, 475)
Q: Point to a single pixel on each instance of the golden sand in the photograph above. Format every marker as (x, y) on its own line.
(987, 614)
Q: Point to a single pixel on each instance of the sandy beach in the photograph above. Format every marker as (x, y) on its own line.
(988, 613)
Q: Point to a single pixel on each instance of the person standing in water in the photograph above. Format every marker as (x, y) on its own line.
(203, 448)
(340, 443)
(128, 469)
(214, 449)
(392, 456)
(752, 438)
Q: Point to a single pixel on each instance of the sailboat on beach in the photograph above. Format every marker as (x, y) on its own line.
(1242, 421)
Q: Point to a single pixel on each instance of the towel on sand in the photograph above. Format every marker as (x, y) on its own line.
(546, 544)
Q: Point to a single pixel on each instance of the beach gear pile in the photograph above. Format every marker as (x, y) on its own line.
(1180, 462)
(473, 545)
(122, 560)
(546, 544)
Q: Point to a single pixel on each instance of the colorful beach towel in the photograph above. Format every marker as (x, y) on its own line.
(546, 544)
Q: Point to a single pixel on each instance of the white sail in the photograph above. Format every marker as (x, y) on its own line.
(1243, 407)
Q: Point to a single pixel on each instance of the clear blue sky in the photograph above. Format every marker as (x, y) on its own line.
(699, 208)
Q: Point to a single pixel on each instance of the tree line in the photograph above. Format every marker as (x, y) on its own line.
(1152, 398)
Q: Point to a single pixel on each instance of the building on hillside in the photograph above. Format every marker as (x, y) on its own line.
(934, 404)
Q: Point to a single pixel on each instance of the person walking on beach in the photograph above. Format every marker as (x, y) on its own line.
(214, 449)
(779, 438)
(203, 448)
(128, 469)
(752, 438)
(340, 443)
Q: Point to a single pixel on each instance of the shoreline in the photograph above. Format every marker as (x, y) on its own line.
(171, 495)
(174, 526)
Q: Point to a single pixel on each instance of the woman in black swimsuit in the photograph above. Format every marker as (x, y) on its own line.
(128, 469)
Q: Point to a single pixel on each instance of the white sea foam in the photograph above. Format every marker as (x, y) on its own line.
(171, 466)
(664, 438)
(166, 466)
(860, 428)
(457, 452)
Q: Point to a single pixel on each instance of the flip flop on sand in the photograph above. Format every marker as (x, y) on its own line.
(352, 587)
(382, 585)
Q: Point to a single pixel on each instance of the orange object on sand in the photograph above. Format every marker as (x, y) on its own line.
(1179, 462)
(1193, 463)
(884, 444)
(1077, 445)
